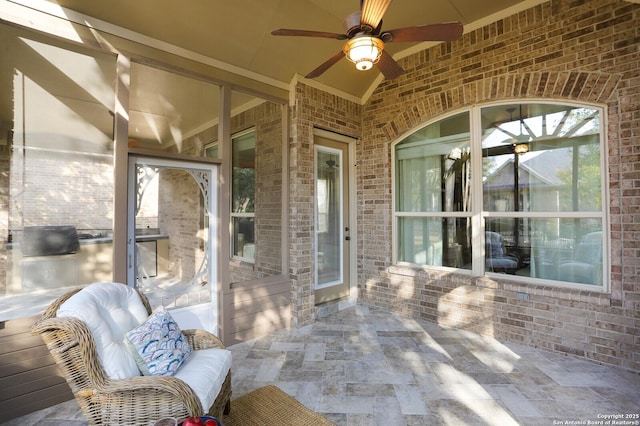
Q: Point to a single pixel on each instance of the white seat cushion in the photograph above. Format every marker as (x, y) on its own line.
(204, 371)
(109, 310)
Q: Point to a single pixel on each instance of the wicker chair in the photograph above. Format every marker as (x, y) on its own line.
(129, 401)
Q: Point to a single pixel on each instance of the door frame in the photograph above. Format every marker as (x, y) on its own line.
(212, 170)
(352, 215)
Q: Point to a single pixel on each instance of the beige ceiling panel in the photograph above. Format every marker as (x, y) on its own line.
(348, 79)
(404, 14)
(238, 32)
(473, 10)
(338, 8)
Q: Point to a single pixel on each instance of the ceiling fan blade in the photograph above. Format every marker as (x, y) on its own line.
(326, 65)
(306, 33)
(373, 11)
(389, 67)
(433, 32)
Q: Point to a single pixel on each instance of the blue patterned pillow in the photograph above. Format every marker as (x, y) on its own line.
(158, 344)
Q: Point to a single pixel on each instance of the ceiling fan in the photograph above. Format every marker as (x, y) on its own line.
(365, 39)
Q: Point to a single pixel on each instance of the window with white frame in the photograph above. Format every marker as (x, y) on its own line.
(243, 181)
(212, 150)
(433, 195)
(514, 189)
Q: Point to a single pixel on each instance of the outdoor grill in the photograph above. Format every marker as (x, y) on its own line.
(49, 240)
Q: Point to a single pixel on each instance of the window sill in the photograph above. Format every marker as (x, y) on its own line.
(595, 295)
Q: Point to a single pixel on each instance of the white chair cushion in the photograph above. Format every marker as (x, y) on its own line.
(204, 371)
(109, 310)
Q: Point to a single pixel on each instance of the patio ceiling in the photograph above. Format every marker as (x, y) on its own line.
(235, 36)
(237, 33)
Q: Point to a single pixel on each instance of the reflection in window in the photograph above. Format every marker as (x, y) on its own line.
(329, 208)
(557, 167)
(433, 184)
(171, 112)
(542, 191)
(56, 155)
(177, 114)
(243, 192)
(542, 209)
(212, 150)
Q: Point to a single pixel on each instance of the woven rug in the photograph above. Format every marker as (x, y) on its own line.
(271, 406)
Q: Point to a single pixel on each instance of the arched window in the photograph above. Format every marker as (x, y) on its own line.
(514, 189)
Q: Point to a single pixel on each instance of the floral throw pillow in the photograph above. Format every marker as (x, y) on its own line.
(158, 344)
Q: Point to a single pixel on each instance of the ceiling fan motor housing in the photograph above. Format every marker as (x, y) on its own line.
(352, 26)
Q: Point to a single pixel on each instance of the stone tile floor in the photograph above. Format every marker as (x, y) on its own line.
(366, 366)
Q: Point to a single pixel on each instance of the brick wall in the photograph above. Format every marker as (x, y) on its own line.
(585, 51)
(576, 51)
(82, 180)
(266, 119)
(313, 108)
(181, 210)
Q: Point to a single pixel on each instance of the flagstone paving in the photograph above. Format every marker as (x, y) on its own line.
(366, 366)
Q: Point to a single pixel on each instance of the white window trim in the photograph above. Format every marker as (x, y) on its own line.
(233, 215)
(316, 150)
(477, 214)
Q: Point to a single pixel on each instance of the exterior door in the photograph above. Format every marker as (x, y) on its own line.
(172, 236)
(332, 231)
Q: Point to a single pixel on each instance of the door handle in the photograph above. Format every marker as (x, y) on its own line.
(348, 238)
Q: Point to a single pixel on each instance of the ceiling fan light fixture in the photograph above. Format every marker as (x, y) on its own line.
(364, 51)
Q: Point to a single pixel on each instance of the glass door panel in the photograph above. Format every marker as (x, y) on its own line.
(328, 217)
(331, 220)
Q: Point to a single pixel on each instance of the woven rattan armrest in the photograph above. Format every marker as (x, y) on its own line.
(201, 339)
(172, 388)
